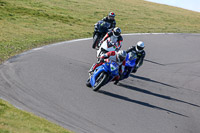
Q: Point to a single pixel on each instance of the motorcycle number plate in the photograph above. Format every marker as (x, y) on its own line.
(113, 67)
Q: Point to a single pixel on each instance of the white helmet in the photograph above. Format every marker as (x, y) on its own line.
(121, 55)
(140, 46)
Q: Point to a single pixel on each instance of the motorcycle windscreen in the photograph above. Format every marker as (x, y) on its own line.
(130, 61)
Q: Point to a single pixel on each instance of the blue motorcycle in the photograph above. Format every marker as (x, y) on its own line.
(130, 64)
(102, 75)
(100, 30)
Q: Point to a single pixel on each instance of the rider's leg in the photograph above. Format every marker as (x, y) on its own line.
(116, 79)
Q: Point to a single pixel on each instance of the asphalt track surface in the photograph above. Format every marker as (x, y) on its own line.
(162, 97)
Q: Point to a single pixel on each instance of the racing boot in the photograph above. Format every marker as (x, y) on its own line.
(116, 82)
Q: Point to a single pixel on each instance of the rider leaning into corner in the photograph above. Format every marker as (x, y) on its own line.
(110, 19)
(139, 49)
(118, 57)
(115, 37)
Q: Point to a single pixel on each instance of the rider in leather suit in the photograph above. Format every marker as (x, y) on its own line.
(118, 57)
(115, 36)
(139, 49)
(110, 19)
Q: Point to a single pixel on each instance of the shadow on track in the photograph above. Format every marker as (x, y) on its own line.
(175, 63)
(150, 80)
(138, 102)
(155, 94)
(154, 62)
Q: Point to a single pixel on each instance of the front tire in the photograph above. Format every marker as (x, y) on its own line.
(95, 41)
(88, 83)
(101, 79)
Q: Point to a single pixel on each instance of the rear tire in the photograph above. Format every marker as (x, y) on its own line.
(101, 79)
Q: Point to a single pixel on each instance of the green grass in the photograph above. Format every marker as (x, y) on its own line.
(26, 24)
(13, 120)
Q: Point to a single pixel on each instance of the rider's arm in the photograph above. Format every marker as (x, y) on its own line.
(129, 49)
(120, 40)
(140, 62)
(113, 24)
(107, 55)
(107, 35)
(104, 19)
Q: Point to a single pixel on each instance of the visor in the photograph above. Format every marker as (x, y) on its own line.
(116, 33)
(111, 17)
(140, 48)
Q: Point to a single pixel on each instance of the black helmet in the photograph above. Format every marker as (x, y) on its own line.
(117, 31)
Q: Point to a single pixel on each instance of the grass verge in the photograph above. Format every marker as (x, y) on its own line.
(13, 120)
(26, 24)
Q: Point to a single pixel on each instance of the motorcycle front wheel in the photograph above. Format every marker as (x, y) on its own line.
(95, 41)
(88, 83)
(101, 79)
